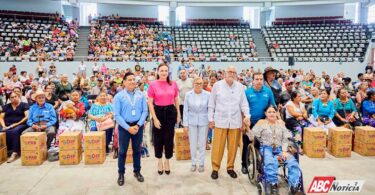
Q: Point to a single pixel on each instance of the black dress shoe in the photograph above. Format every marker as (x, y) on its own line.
(214, 175)
(232, 174)
(120, 180)
(168, 172)
(274, 189)
(139, 177)
(244, 170)
(160, 172)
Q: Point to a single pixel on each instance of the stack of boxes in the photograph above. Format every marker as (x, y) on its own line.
(340, 142)
(33, 148)
(364, 141)
(182, 145)
(3, 148)
(94, 143)
(70, 146)
(314, 142)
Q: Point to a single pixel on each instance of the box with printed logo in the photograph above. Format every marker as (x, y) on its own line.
(94, 156)
(339, 150)
(70, 141)
(94, 140)
(364, 149)
(340, 135)
(182, 153)
(314, 151)
(30, 157)
(365, 134)
(3, 155)
(34, 141)
(70, 157)
(3, 140)
(181, 138)
(314, 136)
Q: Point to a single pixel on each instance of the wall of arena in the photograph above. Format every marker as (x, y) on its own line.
(214, 12)
(31, 5)
(292, 11)
(144, 11)
(350, 69)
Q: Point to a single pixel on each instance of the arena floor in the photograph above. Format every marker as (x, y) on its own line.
(51, 178)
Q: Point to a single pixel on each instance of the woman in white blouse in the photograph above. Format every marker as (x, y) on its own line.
(195, 120)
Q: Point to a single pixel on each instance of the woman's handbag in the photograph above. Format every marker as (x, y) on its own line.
(107, 124)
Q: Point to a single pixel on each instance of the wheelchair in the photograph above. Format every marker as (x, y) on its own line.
(255, 166)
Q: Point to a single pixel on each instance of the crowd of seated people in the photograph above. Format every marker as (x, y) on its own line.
(124, 42)
(307, 99)
(33, 40)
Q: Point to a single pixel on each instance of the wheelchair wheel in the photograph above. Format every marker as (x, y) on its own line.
(251, 163)
(260, 188)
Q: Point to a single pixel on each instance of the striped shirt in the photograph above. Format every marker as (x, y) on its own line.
(99, 110)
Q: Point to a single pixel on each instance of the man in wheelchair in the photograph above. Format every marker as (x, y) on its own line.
(274, 149)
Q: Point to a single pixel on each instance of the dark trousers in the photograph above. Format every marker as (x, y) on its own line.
(163, 137)
(181, 114)
(124, 137)
(245, 144)
(13, 137)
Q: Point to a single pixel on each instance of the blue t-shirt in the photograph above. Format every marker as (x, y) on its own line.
(319, 109)
(368, 108)
(258, 101)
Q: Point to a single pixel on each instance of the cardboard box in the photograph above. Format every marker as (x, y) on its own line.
(3, 155)
(36, 157)
(94, 140)
(70, 157)
(314, 136)
(340, 150)
(3, 140)
(364, 149)
(340, 135)
(181, 138)
(314, 151)
(94, 156)
(182, 153)
(365, 134)
(33, 141)
(70, 141)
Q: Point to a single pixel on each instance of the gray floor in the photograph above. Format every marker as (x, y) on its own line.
(51, 178)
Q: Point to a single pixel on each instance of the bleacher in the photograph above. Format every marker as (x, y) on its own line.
(36, 26)
(323, 42)
(210, 42)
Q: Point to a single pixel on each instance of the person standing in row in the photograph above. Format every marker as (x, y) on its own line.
(164, 106)
(226, 105)
(184, 85)
(195, 121)
(259, 98)
(130, 110)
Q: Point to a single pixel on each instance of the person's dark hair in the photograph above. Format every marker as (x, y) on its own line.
(270, 106)
(112, 83)
(157, 75)
(293, 95)
(339, 91)
(17, 88)
(359, 75)
(325, 90)
(127, 75)
(76, 91)
(258, 72)
(213, 75)
(369, 94)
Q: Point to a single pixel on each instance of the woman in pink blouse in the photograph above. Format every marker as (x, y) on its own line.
(163, 102)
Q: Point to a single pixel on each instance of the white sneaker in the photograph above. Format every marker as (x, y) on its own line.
(201, 168)
(12, 158)
(193, 168)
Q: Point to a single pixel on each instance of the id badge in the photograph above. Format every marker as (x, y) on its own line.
(133, 112)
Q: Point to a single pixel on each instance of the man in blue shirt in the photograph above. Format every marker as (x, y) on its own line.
(42, 117)
(259, 98)
(130, 109)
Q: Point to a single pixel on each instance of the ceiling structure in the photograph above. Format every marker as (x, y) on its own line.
(258, 3)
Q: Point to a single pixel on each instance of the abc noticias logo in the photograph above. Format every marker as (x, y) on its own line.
(326, 184)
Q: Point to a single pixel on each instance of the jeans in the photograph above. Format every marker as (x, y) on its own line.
(124, 138)
(271, 166)
(108, 137)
